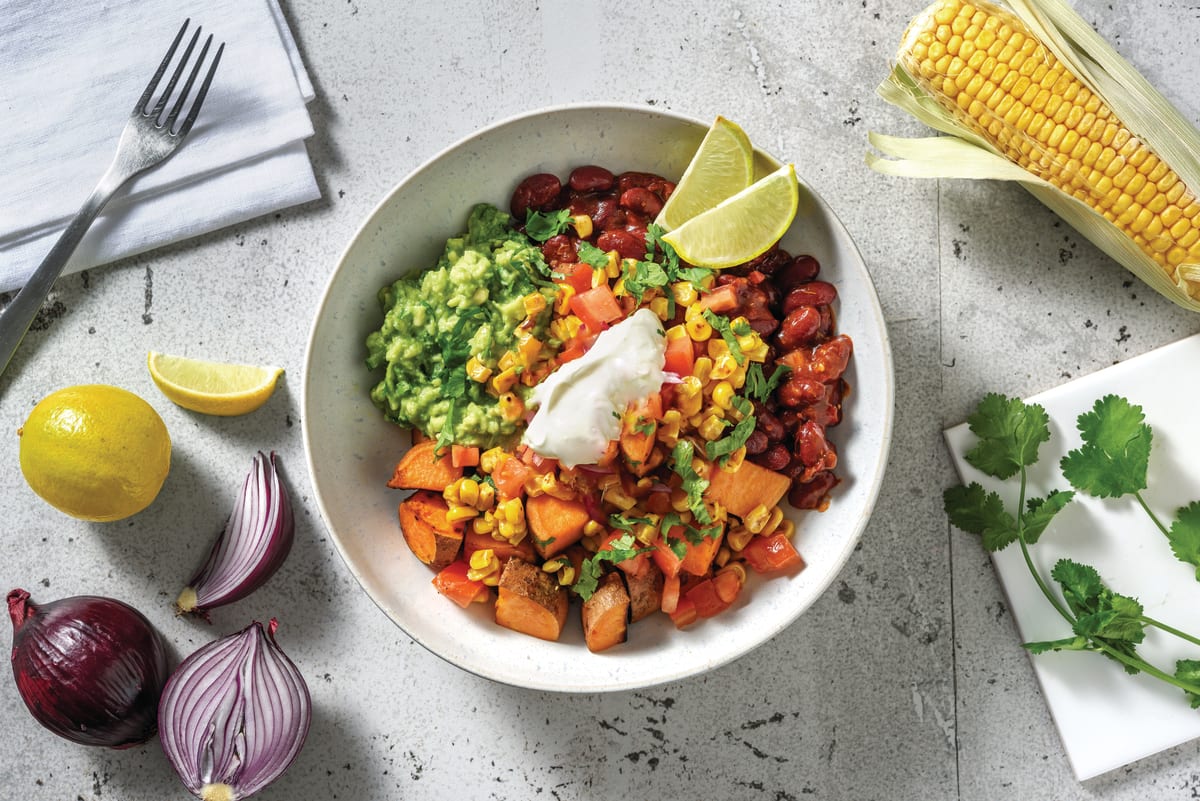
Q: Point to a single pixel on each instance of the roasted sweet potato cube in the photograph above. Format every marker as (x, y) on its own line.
(421, 468)
(531, 601)
(606, 614)
(431, 537)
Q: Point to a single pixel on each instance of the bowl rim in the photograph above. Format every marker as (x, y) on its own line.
(836, 565)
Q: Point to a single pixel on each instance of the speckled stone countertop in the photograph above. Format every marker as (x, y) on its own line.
(905, 681)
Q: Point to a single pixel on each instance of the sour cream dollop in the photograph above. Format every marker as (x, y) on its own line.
(581, 403)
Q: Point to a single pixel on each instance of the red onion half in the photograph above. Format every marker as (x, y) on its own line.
(256, 540)
(90, 669)
(234, 715)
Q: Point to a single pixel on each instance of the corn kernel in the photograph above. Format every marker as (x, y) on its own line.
(457, 512)
(724, 366)
(504, 381)
(712, 427)
(512, 408)
(661, 308)
(738, 537)
(583, 225)
(492, 458)
(485, 523)
(477, 371)
(734, 460)
(702, 369)
(722, 394)
(698, 329)
(773, 521)
(562, 303)
(756, 518)
(684, 292)
(613, 267)
(723, 556)
(593, 528)
(535, 304)
(553, 565)
(787, 528)
(566, 576)
(468, 491)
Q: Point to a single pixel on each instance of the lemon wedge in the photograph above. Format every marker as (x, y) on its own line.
(741, 227)
(215, 388)
(722, 166)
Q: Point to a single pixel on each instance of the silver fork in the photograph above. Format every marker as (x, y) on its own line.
(148, 140)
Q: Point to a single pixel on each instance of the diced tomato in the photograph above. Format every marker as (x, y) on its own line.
(596, 308)
(539, 463)
(452, 582)
(577, 275)
(684, 614)
(681, 358)
(510, 477)
(705, 599)
(721, 299)
(464, 455)
(573, 349)
(666, 559)
(728, 584)
(700, 556)
(771, 554)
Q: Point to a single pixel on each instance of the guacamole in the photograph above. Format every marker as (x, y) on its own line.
(469, 304)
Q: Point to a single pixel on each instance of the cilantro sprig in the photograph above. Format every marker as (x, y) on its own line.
(729, 332)
(542, 225)
(591, 569)
(693, 484)
(1112, 462)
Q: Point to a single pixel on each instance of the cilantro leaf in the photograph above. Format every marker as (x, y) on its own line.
(540, 226)
(758, 386)
(1101, 615)
(722, 326)
(977, 511)
(590, 254)
(590, 570)
(1116, 450)
(1040, 511)
(620, 521)
(1188, 670)
(693, 484)
(1184, 535)
(723, 447)
(1009, 432)
(643, 275)
(693, 275)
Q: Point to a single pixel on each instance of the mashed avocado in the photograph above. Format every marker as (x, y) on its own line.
(469, 304)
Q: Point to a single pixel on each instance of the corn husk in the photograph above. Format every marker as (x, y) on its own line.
(963, 154)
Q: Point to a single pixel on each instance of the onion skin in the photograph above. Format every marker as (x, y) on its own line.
(234, 715)
(89, 669)
(256, 540)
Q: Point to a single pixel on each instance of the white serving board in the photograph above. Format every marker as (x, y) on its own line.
(1105, 717)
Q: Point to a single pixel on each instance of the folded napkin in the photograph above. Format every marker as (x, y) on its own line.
(72, 74)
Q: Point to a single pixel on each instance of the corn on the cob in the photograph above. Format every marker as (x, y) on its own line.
(985, 66)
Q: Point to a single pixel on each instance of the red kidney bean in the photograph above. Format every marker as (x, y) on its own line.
(813, 293)
(776, 457)
(811, 494)
(824, 362)
(591, 178)
(799, 328)
(628, 244)
(635, 222)
(607, 213)
(560, 249)
(798, 271)
(800, 390)
(630, 180)
(811, 445)
(770, 425)
(756, 443)
(535, 192)
(643, 201)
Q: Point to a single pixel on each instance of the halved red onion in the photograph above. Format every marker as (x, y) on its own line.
(253, 545)
(234, 715)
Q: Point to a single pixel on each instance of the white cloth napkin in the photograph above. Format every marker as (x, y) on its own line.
(72, 73)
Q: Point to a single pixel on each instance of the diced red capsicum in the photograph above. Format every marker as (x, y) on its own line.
(452, 582)
(772, 554)
(596, 308)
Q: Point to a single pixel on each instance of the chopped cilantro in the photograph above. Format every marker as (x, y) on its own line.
(590, 254)
(622, 548)
(693, 484)
(540, 226)
(758, 386)
(722, 326)
(722, 448)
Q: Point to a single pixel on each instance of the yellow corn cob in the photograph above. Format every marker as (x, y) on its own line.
(990, 71)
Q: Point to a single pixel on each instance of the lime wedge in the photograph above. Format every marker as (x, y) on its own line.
(741, 227)
(216, 388)
(722, 166)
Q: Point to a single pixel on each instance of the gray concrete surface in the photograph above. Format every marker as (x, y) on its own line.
(904, 682)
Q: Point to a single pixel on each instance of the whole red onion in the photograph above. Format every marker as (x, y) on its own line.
(90, 669)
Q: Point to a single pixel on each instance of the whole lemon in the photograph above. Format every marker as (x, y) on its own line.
(96, 452)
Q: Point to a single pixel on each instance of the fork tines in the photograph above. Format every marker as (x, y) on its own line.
(155, 113)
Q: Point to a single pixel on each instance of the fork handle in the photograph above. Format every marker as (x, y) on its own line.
(21, 311)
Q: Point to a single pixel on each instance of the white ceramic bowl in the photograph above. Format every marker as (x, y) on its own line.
(351, 449)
